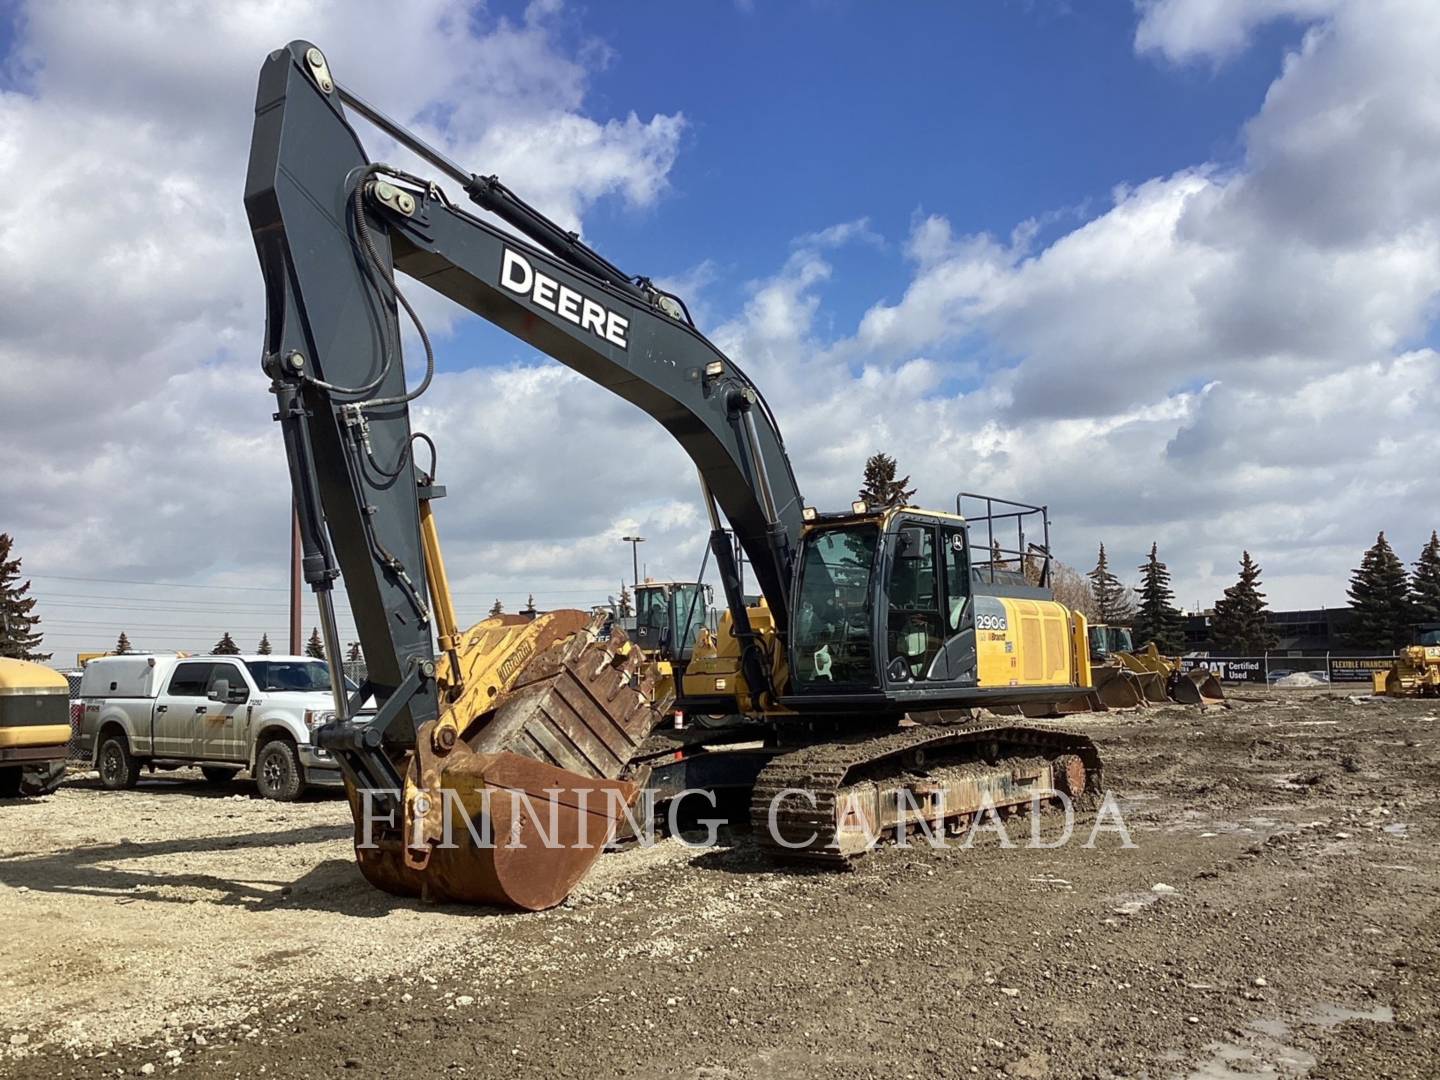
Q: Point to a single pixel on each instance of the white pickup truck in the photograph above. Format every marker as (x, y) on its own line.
(222, 713)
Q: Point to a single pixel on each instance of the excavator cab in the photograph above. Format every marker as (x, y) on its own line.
(894, 603)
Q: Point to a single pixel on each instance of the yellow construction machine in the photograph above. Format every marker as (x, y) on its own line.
(34, 728)
(671, 621)
(1416, 671)
(1126, 678)
(500, 760)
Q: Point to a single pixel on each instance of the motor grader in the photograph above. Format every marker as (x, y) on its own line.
(499, 760)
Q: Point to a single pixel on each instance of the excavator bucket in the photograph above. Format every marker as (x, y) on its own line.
(517, 811)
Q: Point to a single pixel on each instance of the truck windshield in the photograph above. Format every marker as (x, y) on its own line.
(294, 675)
(832, 645)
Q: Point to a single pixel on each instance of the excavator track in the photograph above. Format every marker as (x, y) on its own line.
(833, 801)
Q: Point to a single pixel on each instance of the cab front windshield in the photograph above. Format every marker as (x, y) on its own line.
(278, 676)
(832, 645)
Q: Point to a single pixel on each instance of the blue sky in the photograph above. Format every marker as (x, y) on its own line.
(803, 115)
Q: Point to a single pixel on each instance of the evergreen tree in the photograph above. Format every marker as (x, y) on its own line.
(626, 608)
(1157, 619)
(529, 609)
(1112, 603)
(264, 648)
(497, 608)
(315, 647)
(1425, 583)
(19, 638)
(879, 488)
(122, 645)
(1380, 597)
(225, 646)
(1240, 624)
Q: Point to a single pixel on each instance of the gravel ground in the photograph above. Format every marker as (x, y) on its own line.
(1276, 916)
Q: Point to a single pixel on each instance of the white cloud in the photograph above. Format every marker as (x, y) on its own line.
(1221, 358)
(1224, 357)
(1184, 30)
(135, 423)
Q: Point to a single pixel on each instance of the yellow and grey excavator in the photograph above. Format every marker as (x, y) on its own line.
(500, 759)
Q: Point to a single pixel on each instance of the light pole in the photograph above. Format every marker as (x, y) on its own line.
(635, 542)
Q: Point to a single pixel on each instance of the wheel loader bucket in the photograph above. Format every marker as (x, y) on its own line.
(519, 809)
(1151, 685)
(1116, 686)
(1198, 687)
(1151, 671)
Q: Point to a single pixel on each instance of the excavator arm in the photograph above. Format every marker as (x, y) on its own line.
(331, 228)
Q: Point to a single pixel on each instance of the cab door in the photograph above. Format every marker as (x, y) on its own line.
(218, 732)
(956, 661)
(914, 625)
(180, 710)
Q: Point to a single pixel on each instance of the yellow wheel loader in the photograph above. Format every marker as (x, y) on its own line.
(1126, 678)
(34, 728)
(500, 760)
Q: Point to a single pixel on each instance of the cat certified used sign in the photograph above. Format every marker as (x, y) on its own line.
(518, 276)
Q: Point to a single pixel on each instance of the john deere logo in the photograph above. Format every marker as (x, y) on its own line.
(517, 275)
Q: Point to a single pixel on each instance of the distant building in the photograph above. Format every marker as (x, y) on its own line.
(1309, 631)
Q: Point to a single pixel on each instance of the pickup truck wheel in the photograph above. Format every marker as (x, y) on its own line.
(118, 768)
(215, 774)
(277, 771)
(10, 782)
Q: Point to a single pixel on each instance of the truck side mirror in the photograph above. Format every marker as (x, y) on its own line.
(223, 692)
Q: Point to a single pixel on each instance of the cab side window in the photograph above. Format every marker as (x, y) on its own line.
(957, 577)
(190, 680)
